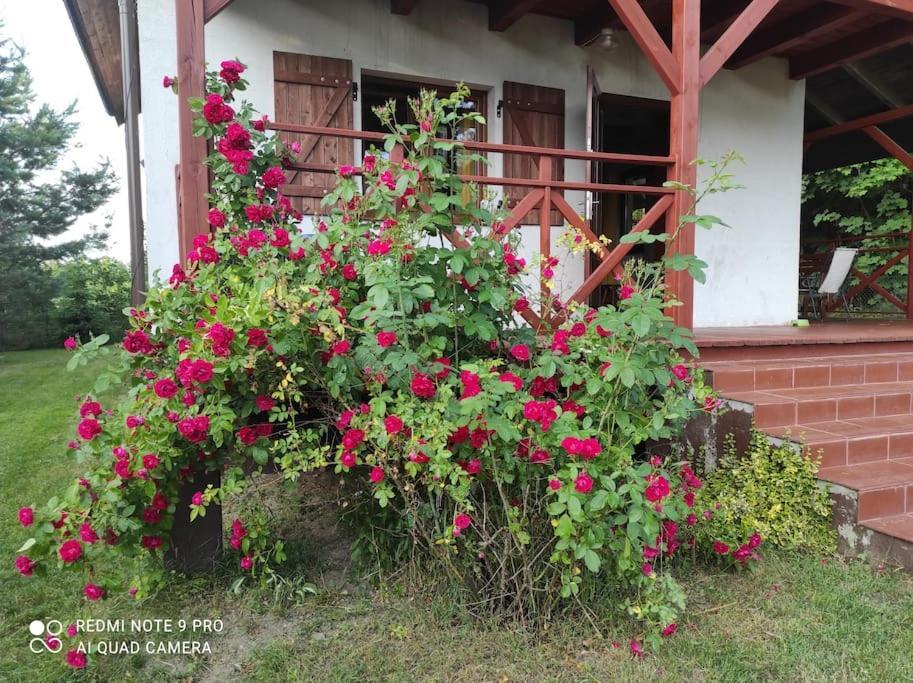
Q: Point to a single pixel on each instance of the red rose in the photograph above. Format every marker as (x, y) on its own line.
(88, 429)
(70, 551)
(657, 488)
(165, 388)
(93, 592)
(26, 516)
(393, 424)
(583, 483)
(75, 659)
(215, 110)
(341, 347)
(194, 429)
(151, 542)
(264, 403)
(385, 339)
(256, 337)
(273, 177)
(24, 565)
(377, 475)
(471, 384)
(90, 409)
(445, 368)
(511, 378)
(231, 71)
(353, 438)
(422, 385)
(520, 352)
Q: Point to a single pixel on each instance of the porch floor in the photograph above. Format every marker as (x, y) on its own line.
(837, 332)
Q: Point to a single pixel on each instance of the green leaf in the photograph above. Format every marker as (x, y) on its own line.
(592, 561)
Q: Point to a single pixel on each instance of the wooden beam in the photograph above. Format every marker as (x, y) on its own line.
(878, 38)
(860, 123)
(502, 14)
(743, 26)
(798, 29)
(684, 118)
(645, 35)
(889, 145)
(212, 7)
(191, 59)
(870, 83)
(902, 9)
(403, 7)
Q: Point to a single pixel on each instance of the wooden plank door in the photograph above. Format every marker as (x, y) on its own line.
(534, 117)
(315, 91)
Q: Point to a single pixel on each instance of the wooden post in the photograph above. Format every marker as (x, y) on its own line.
(196, 545)
(191, 60)
(545, 231)
(683, 129)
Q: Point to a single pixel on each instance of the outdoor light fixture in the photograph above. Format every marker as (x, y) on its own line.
(607, 38)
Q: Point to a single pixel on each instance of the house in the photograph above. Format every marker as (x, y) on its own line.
(591, 106)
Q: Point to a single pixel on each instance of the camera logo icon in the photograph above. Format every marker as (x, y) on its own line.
(45, 636)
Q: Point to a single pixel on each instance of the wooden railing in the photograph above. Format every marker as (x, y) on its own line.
(894, 254)
(544, 195)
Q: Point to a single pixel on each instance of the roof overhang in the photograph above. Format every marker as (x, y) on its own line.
(855, 55)
(97, 27)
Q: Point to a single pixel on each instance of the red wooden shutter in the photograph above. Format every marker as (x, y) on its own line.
(314, 91)
(534, 117)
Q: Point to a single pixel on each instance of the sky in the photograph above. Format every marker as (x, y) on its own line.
(60, 75)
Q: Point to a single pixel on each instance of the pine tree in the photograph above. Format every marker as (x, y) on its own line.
(39, 202)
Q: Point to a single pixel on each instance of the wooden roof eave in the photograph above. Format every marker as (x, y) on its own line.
(111, 93)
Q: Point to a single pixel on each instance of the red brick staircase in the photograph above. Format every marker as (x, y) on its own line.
(852, 407)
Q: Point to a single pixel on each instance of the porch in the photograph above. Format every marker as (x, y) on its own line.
(552, 169)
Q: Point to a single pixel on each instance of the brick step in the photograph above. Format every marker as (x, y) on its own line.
(816, 371)
(852, 441)
(896, 526)
(766, 349)
(808, 405)
(884, 489)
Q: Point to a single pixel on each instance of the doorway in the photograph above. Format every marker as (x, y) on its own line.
(626, 125)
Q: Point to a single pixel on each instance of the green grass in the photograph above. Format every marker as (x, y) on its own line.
(38, 414)
(794, 618)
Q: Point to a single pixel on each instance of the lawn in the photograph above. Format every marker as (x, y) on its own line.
(793, 618)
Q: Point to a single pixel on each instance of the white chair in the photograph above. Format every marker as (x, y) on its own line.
(834, 279)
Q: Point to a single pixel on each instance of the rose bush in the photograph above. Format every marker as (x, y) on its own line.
(515, 459)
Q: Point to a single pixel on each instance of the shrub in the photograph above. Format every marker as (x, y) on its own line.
(772, 490)
(506, 454)
(90, 297)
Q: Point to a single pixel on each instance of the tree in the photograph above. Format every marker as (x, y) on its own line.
(90, 295)
(870, 199)
(39, 201)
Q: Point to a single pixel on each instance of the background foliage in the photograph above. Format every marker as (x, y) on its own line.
(864, 199)
(39, 202)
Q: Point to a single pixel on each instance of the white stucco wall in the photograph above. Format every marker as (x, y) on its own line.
(449, 40)
(753, 265)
